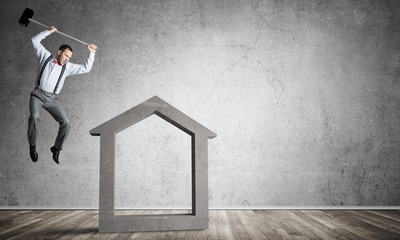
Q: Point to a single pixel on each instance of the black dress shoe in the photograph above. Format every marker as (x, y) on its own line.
(33, 153)
(56, 153)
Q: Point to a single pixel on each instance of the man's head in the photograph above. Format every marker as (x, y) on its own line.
(64, 53)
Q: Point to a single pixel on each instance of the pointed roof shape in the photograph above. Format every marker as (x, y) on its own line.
(161, 108)
(109, 221)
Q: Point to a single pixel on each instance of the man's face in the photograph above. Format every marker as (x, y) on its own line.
(63, 57)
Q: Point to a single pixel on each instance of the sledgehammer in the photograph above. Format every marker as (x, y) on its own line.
(26, 18)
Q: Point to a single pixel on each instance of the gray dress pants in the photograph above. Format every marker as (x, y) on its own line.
(49, 101)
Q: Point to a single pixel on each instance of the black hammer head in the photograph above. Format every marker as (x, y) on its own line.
(26, 15)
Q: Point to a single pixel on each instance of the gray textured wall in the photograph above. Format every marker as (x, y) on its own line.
(304, 97)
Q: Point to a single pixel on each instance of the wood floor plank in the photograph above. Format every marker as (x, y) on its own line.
(178, 235)
(84, 231)
(290, 226)
(315, 227)
(338, 233)
(272, 220)
(212, 226)
(248, 226)
(32, 214)
(385, 225)
(338, 221)
(16, 228)
(6, 214)
(9, 220)
(87, 230)
(65, 226)
(223, 224)
(51, 228)
(262, 226)
(391, 214)
(356, 224)
(279, 219)
(390, 224)
(72, 227)
(237, 227)
(38, 224)
(323, 219)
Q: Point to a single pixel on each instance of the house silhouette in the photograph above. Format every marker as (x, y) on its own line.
(198, 219)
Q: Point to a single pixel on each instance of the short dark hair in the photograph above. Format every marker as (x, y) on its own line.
(65, 46)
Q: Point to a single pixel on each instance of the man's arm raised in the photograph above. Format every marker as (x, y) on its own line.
(40, 50)
(87, 66)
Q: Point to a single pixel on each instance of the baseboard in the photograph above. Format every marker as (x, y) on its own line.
(310, 208)
(216, 208)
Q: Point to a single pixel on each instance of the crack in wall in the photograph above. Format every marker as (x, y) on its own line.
(230, 66)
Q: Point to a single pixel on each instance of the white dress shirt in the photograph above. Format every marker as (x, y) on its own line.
(52, 70)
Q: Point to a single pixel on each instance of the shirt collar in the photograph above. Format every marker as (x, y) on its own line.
(55, 61)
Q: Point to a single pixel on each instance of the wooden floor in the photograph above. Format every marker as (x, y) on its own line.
(224, 224)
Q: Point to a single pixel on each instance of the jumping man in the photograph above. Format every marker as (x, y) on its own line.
(49, 81)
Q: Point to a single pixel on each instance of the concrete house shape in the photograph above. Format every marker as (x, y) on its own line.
(198, 219)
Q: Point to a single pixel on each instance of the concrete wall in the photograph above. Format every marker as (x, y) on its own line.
(304, 97)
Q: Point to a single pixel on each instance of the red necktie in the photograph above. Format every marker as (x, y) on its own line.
(55, 61)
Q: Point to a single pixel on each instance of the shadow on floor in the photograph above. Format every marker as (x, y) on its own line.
(80, 230)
